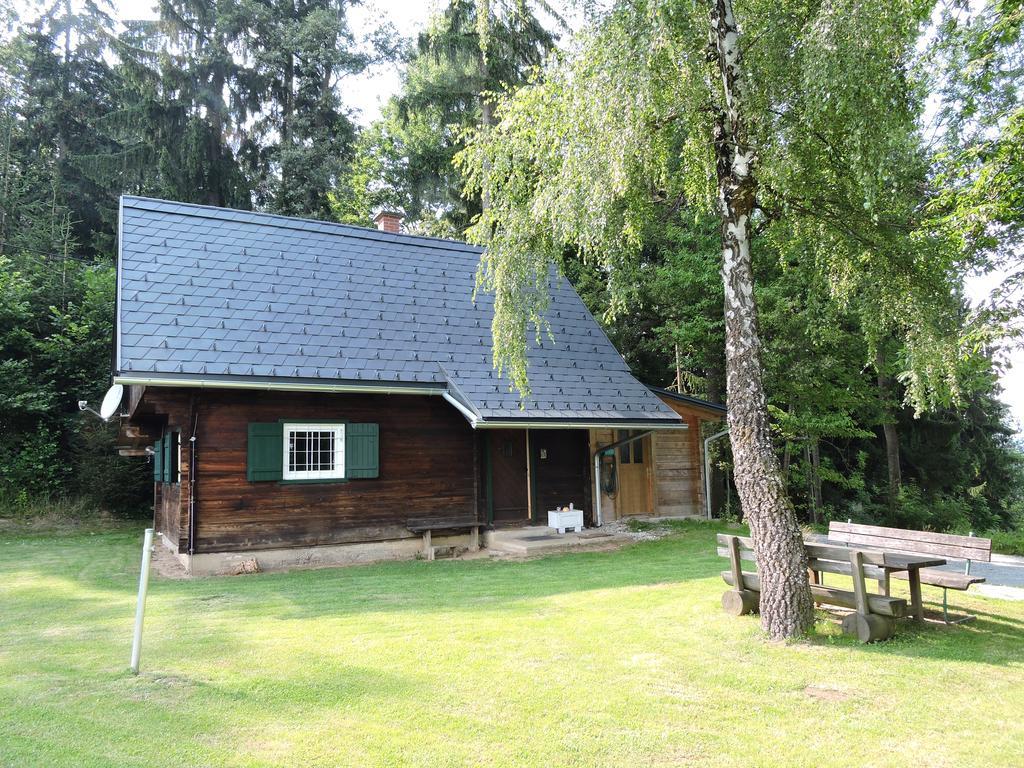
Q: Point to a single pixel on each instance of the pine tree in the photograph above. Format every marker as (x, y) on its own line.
(448, 87)
(302, 140)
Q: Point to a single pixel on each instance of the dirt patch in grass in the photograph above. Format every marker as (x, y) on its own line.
(826, 693)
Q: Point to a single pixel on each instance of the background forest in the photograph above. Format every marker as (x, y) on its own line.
(242, 104)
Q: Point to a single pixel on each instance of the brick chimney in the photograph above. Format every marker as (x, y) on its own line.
(389, 221)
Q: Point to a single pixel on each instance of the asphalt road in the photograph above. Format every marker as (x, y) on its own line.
(1004, 570)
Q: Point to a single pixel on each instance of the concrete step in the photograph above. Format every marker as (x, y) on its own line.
(541, 540)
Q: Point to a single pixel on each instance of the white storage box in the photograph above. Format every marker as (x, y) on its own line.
(564, 520)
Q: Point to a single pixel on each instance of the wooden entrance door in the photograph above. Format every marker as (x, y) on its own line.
(509, 489)
(634, 471)
(559, 470)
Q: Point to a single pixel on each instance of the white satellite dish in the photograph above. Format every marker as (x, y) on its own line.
(111, 401)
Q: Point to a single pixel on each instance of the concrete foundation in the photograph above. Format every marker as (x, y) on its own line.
(530, 541)
(324, 556)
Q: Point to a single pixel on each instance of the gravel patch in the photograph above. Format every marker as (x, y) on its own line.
(621, 528)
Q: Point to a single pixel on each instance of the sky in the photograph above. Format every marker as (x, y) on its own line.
(368, 91)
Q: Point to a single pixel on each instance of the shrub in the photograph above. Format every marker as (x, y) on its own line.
(1007, 542)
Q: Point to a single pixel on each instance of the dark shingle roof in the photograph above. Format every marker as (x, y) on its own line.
(689, 400)
(216, 294)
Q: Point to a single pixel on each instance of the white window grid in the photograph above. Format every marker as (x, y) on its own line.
(314, 451)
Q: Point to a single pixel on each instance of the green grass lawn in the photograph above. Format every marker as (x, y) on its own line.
(602, 659)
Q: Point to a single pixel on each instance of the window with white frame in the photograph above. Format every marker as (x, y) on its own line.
(314, 451)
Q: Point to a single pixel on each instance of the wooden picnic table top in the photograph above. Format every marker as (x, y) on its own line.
(896, 561)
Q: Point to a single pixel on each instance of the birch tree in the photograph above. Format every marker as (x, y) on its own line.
(776, 113)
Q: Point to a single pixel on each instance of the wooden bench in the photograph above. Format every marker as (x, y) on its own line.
(427, 526)
(873, 616)
(967, 548)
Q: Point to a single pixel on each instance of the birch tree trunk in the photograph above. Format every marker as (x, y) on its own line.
(786, 606)
(718, 477)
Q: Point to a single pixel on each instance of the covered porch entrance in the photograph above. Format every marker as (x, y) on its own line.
(527, 472)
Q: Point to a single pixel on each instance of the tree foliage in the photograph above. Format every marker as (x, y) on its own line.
(857, 282)
(235, 104)
(447, 87)
(978, 66)
(588, 156)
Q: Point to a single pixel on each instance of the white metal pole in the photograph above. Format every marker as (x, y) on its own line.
(140, 605)
(707, 469)
(598, 521)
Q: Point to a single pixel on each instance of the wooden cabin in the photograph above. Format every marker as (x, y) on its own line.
(308, 391)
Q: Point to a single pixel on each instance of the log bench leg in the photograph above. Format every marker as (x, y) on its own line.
(428, 550)
(868, 627)
(862, 624)
(738, 602)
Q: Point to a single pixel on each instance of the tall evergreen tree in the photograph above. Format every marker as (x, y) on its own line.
(66, 84)
(176, 139)
(448, 87)
(302, 141)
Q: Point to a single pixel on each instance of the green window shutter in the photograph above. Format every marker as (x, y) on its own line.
(168, 457)
(266, 452)
(158, 461)
(362, 450)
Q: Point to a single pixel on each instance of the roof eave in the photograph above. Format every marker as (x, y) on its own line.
(279, 385)
(696, 402)
(581, 423)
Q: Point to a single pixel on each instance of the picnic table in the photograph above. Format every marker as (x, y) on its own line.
(900, 562)
(873, 616)
(929, 544)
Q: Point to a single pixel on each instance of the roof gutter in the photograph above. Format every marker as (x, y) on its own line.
(281, 386)
(470, 416)
(646, 425)
(475, 421)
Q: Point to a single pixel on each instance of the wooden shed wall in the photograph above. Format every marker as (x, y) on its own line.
(679, 462)
(167, 512)
(426, 470)
(678, 477)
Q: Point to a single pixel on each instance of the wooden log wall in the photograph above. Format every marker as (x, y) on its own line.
(158, 411)
(426, 470)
